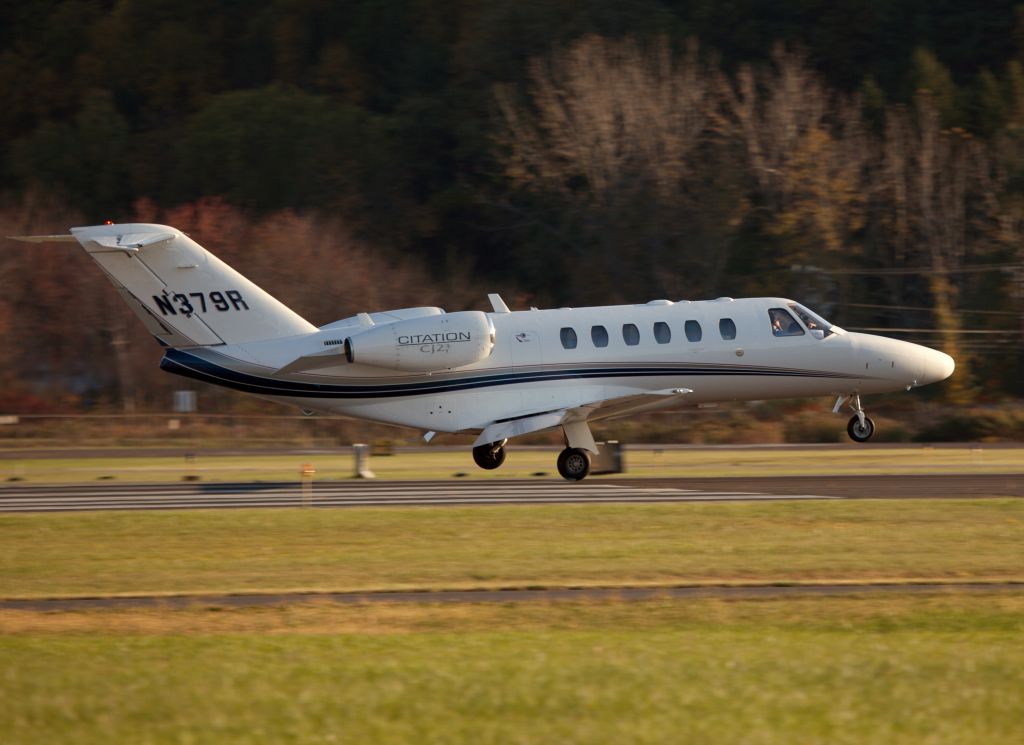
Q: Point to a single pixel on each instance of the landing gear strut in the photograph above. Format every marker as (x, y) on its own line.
(574, 464)
(490, 455)
(860, 428)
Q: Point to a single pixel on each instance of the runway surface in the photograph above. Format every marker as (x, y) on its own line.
(493, 492)
(625, 594)
(14, 453)
(355, 494)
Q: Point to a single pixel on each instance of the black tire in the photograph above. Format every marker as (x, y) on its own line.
(858, 433)
(574, 464)
(489, 457)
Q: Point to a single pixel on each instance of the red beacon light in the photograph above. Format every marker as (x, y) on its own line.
(108, 222)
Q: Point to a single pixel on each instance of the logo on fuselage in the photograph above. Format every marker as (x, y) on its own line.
(444, 337)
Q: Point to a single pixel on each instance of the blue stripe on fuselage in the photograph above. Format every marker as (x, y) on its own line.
(192, 366)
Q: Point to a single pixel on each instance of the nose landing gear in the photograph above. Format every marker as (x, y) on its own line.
(860, 428)
(860, 431)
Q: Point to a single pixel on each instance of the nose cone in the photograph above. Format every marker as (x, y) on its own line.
(937, 366)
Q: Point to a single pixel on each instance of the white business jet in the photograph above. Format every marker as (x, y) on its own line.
(500, 373)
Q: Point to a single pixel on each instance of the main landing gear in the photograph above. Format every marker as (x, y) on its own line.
(860, 428)
(490, 456)
(573, 464)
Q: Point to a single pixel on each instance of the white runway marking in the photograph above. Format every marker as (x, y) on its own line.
(351, 494)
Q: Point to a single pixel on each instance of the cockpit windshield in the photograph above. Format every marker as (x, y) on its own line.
(813, 321)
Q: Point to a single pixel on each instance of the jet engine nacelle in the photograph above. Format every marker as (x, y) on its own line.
(428, 344)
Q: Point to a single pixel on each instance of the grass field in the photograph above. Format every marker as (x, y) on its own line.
(431, 464)
(944, 669)
(510, 546)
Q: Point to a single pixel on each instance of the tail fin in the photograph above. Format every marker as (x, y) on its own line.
(185, 295)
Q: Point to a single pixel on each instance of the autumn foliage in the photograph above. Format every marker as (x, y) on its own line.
(866, 158)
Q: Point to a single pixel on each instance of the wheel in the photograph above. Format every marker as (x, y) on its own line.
(488, 456)
(858, 432)
(574, 464)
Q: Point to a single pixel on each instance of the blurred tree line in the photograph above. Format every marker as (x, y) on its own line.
(865, 157)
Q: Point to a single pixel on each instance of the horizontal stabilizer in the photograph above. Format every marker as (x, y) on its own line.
(129, 243)
(62, 238)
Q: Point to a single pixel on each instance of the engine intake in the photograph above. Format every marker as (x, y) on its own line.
(430, 344)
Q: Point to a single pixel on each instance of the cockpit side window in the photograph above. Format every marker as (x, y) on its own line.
(783, 324)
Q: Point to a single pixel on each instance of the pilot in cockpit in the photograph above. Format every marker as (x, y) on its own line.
(783, 324)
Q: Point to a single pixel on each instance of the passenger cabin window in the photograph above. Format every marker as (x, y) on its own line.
(599, 335)
(568, 337)
(693, 332)
(727, 328)
(783, 324)
(662, 333)
(630, 334)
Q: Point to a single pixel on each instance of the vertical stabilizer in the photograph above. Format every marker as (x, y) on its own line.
(185, 295)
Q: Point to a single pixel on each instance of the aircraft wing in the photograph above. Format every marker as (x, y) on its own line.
(576, 417)
(630, 403)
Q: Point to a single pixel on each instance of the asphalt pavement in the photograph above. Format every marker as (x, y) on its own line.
(453, 493)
